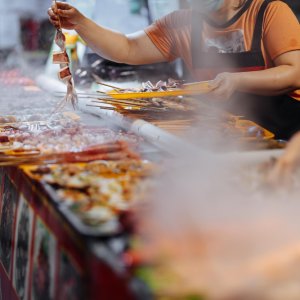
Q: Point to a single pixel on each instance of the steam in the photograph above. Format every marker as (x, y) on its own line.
(216, 222)
(221, 230)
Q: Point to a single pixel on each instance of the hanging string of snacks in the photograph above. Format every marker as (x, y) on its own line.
(61, 58)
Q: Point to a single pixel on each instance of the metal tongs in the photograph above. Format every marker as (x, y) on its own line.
(71, 95)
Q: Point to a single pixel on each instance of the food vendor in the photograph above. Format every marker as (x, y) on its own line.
(250, 49)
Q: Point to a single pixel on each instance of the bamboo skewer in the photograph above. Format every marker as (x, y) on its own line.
(122, 103)
(112, 100)
(96, 94)
(125, 109)
(87, 95)
(103, 93)
(125, 100)
(128, 103)
(79, 93)
(109, 85)
(136, 101)
(102, 107)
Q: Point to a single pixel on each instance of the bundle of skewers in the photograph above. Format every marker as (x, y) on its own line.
(142, 104)
(61, 58)
(174, 113)
(167, 88)
(163, 96)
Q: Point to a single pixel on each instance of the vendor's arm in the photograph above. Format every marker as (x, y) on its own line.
(133, 49)
(281, 41)
(283, 78)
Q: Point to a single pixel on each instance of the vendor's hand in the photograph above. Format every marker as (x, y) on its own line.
(286, 165)
(224, 85)
(68, 16)
(281, 174)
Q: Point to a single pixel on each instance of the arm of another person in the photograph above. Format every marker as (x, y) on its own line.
(136, 48)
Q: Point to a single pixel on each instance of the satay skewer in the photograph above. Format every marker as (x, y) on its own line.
(126, 107)
(128, 103)
(125, 100)
(102, 107)
(80, 93)
(122, 102)
(111, 86)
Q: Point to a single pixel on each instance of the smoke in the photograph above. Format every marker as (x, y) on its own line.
(215, 221)
(222, 231)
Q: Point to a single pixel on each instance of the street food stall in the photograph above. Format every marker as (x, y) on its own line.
(51, 246)
(137, 189)
(70, 181)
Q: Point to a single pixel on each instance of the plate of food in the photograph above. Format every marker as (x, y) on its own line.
(95, 196)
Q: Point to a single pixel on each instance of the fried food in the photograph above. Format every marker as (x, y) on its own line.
(99, 191)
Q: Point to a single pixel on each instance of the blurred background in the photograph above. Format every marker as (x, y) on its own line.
(26, 36)
(248, 243)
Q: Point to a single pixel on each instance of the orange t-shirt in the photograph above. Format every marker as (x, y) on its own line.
(281, 33)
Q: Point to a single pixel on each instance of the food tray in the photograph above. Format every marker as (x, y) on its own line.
(244, 125)
(109, 228)
(196, 88)
(115, 224)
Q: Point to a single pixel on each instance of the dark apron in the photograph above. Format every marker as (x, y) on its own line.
(279, 114)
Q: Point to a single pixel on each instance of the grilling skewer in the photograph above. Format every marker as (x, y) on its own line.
(160, 89)
(82, 93)
(96, 96)
(120, 103)
(131, 102)
(113, 101)
(103, 93)
(102, 107)
(111, 86)
(78, 93)
(124, 108)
